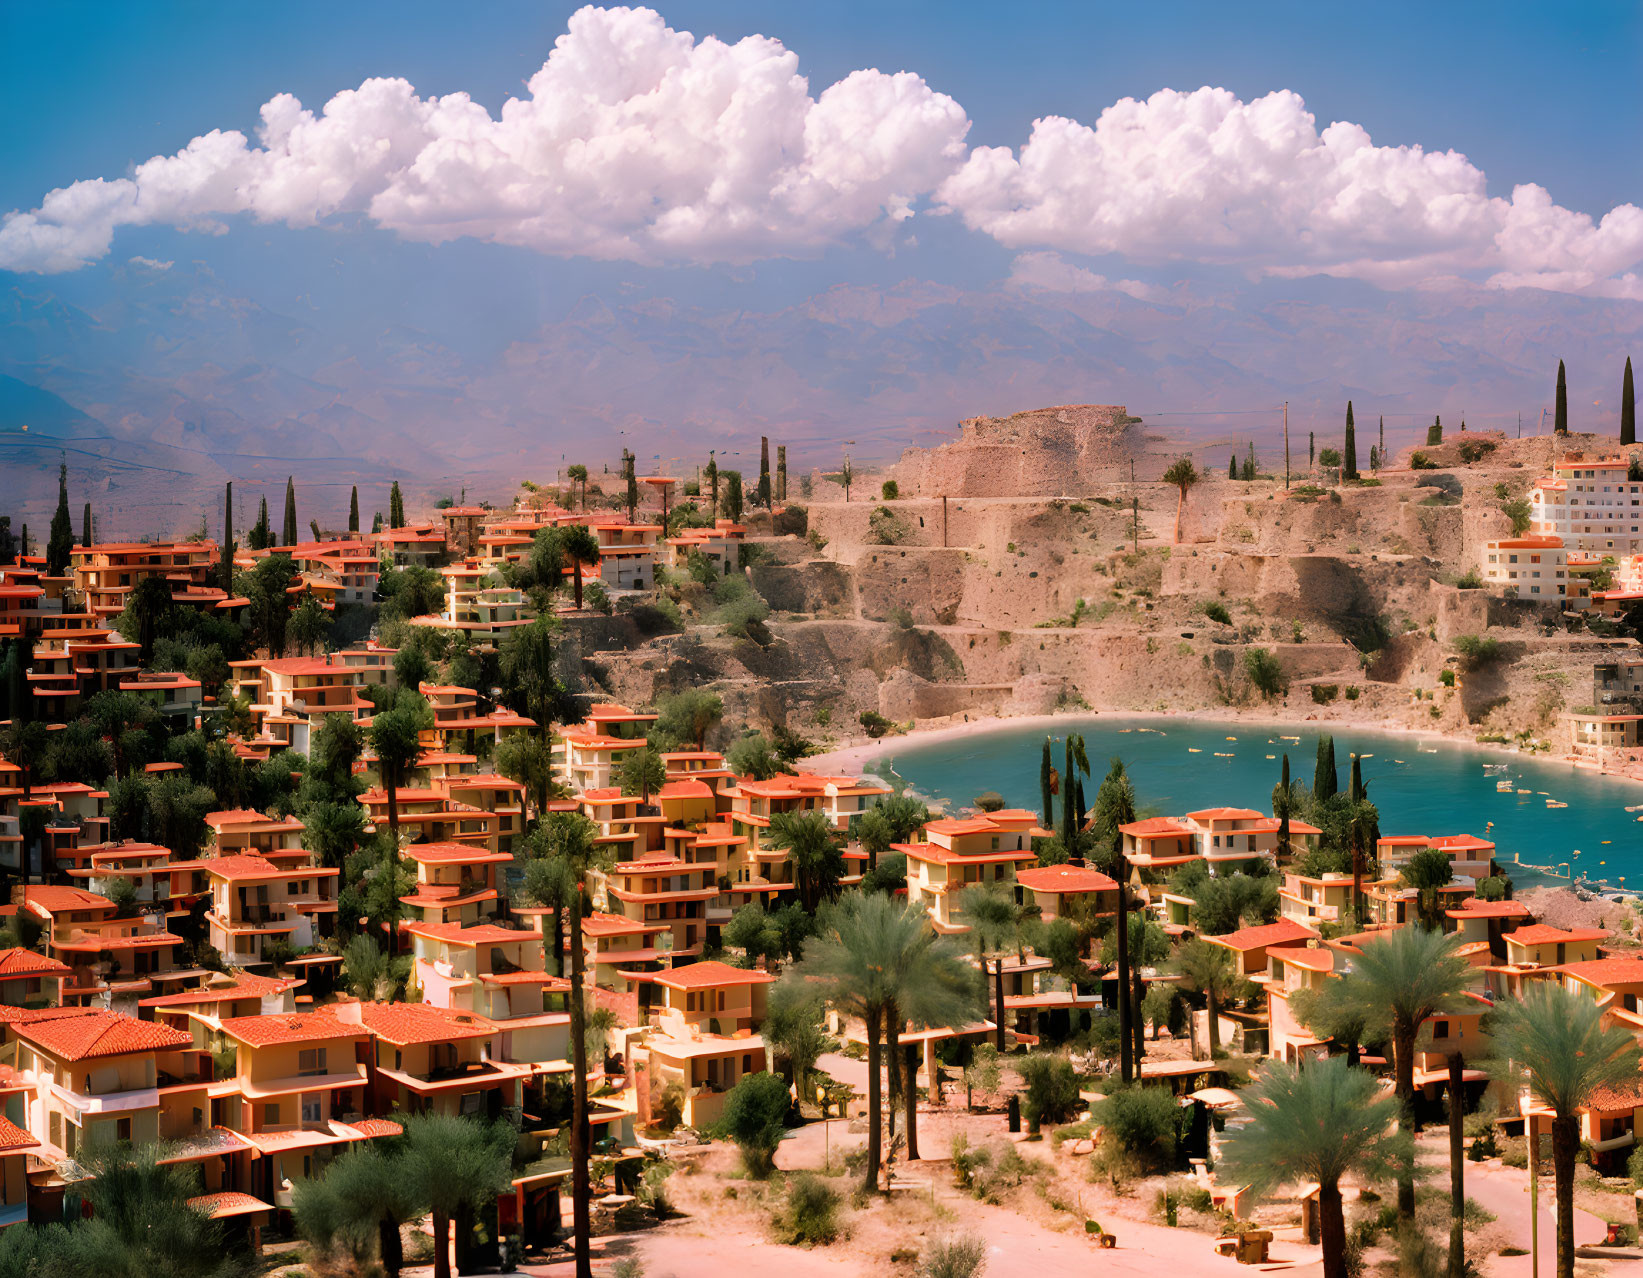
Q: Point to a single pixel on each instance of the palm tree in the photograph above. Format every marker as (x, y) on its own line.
(933, 988)
(1401, 978)
(1559, 1040)
(995, 925)
(363, 1191)
(854, 962)
(370, 975)
(1319, 1122)
(1114, 809)
(1183, 475)
(455, 1165)
(579, 475)
(572, 839)
(813, 853)
(581, 550)
(1208, 969)
(528, 760)
(140, 1224)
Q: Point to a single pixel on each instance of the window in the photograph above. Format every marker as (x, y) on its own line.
(469, 1103)
(311, 1060)
(312, 1109)
(270, 1115)
(1440, 1030)
(122, 1130)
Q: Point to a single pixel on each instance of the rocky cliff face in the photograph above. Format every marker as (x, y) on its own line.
(1044, 452)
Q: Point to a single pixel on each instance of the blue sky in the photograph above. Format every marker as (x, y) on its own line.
(1377, 246)
(1530, 93)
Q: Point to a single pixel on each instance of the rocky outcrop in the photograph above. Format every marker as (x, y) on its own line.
(1044, 452)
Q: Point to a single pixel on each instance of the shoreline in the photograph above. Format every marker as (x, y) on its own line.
(857, 755)
(856, 752)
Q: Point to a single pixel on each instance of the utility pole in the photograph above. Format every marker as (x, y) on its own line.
(1135, 524)
(944, 521)
(1286, 444)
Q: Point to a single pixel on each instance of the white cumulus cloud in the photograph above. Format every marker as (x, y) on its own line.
(640, 143)
(634, 141)
(1206, 177)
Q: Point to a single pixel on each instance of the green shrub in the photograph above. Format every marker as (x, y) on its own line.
(1142, 1123)
(809, 1215)
(1217, 611)
(989, 801)
(1051, 1094)
(885, 527)
(889, 491)
(755, 1116)
(874, 723)
(1446, 678)
(1477, 651)
(961, 1256)
(1324, 693)
(1352, 693)
(1265, 672)
(1329, 457)
(1420, 461)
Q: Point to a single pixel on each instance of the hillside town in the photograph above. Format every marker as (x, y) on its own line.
(360, 913)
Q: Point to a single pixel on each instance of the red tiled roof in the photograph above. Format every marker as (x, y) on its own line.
(1283, 932)
(290, 1027)
(1154, 826)
(13, 1137)
(699, 975)
(246, 866)
(96, 1033)
(228, 1203)
(1471, 907)
(21, 962)
(406, 1023)
(478, 934)
(54, 899)
(1224, 814)
(1065, 878)
(1605, 972)
(1544, 933)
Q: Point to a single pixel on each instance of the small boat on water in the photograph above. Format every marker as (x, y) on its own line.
(1232, 738)
(1272, 756)
(1555, 803)
(1194, 750)
(1525, 791)
(1505, 787)
(1222, 755)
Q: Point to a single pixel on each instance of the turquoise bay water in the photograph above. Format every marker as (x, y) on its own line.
(1421, 785)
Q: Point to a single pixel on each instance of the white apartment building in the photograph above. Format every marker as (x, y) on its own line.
(1590, 505)
(1534, 568)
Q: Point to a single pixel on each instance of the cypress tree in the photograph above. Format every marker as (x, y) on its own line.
(764, 471)
(1355, 790)
(23, 542)
(633, 486)
(1628, 407)
(376, 523)
(1311, 447)
(60, 540)
(8, 544)
(290, 529)
(353, 509)
(713, 482)
(1349, 447)
(1324, 781)
(1249, 463)
(1283, 821)
(85, 535)
(733, 495)
(396, 507)
(1383, 441)
(1046, 767)
(781, 472)
(1560, 422)
(1232, 465)
(262, 537)
(225, 569)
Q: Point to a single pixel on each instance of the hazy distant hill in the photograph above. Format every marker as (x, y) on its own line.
(177, 374)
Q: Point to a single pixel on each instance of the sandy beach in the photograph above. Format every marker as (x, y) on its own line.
(854, 754)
